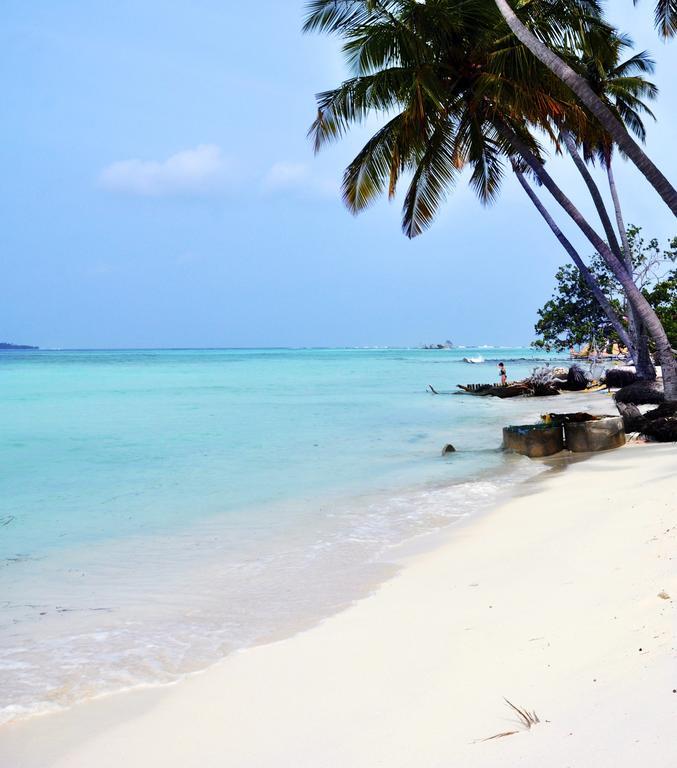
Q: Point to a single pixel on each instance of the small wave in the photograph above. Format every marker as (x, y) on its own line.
(153, 610)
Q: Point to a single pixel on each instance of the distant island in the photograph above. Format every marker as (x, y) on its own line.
(7, 345)
(447, 345)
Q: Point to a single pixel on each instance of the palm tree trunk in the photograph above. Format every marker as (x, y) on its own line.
(585, 272)
(643, 363)
(644, 310)
(592, 101)
(627, 253)
(594, 192)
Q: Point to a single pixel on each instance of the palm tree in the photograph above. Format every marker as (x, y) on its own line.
(457, 93)
(597, 292)
(625, 90)
(439, 73)
(581, 87)
(645, 312)
(665, 17)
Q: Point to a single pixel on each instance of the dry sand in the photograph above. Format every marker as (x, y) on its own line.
(561, 600)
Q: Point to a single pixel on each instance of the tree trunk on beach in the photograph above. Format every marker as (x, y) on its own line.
(594, 192)
(643, 364)
(591, 100)
(578, 261)
(644, 310)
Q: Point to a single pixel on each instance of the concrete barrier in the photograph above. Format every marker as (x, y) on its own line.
(534, 440)
(599, 435)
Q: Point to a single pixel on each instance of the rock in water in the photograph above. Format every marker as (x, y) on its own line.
(448, 448)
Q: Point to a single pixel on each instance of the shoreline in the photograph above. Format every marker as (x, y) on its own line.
(382, 661)
(452, 504)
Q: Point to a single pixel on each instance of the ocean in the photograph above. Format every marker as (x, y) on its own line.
(160, 509)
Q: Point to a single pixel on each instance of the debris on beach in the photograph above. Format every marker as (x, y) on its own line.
(615, 378)
(543, 382)
(658, 424)
(641, 393)
(527, 720)
(497, 390)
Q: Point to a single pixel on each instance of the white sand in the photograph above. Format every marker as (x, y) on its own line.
(551, 600)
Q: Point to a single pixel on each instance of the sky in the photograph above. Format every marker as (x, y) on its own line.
(159, 191)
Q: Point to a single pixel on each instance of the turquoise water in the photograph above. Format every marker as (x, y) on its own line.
(159, 509)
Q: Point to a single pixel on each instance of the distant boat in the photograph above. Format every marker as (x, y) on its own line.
(478, 359)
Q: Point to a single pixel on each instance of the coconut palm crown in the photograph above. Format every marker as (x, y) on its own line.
(665, 17)
(446, 81)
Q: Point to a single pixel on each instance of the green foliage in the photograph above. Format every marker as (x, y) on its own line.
(572, 316)
(446, 79)
(663, 298)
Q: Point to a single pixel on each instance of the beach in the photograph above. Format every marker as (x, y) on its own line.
(560, 600)
(160, 509)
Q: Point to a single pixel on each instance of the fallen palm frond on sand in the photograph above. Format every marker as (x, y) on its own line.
(527, 720)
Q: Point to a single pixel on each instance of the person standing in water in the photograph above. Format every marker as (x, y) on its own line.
(502, 373)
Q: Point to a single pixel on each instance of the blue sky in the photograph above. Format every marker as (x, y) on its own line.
(158, 190)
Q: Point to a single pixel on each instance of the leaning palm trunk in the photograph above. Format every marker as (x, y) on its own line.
(597, 292)
(594, 193)
(644, 365)
(645, 312)
(592, 101)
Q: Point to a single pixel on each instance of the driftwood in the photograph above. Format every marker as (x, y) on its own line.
(507, 390)
(543, 382)
(545, 389)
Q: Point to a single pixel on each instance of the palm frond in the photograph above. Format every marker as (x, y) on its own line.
(378, 164)
(353, 100)
(665, 17)
(434, 176)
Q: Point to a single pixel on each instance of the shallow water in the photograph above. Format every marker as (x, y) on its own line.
(159, 509)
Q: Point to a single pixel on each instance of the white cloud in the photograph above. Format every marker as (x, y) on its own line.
(286, 176)
(202, 170)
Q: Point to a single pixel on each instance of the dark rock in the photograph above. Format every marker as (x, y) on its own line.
(640, 393)
(664, 410)
(619, 377)
(633, 420)
(448, 448)
(576, 379)
(663, 430)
